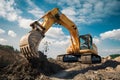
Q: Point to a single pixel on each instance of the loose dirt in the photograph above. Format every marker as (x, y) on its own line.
(13, 66)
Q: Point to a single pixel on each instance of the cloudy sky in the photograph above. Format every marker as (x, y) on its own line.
(100, 18)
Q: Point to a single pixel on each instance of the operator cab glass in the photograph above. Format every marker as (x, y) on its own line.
(86, 41)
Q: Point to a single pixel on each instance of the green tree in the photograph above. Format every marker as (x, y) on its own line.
(114, 55)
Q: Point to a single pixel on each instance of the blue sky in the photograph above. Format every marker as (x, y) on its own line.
(100, 18)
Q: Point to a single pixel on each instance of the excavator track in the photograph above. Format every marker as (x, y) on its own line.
(30, 42)
(83, 58)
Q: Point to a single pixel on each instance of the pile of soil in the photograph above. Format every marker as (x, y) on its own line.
(8, 57)
(108, 70)
(35, 68)
(13, 66)
(65, 65)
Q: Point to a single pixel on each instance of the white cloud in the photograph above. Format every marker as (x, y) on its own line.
(58, 42)
(104, 48)
(3, 41)
(106, 52)
(82, 15)
(111, 50)
(24, 23)
(12, 33)
(88, 11)
(65, 2)
(69, 11)
(12, 16)
(55, 32)
(99, 7)
(35, 10)
(2, 31)
(56, 36)
(114, 34)
(96, 40)
(112, 9)
(8, 11)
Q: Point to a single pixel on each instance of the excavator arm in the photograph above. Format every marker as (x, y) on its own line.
(55, 16)
(29, 43)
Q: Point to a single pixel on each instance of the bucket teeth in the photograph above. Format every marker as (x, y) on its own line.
(23, 51)
(27, 52)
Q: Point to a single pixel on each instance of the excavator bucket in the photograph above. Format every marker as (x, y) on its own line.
(29, 43)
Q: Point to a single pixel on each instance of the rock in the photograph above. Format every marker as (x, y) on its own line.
(95, 72)
(42, 77)
(117, 59)
(80, 77)
(117, 68)
(108, 57)
(109, 69)
(104, 59)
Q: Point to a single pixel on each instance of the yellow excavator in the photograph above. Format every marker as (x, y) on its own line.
(82, 49)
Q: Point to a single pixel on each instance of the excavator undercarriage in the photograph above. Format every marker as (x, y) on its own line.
(83, 58)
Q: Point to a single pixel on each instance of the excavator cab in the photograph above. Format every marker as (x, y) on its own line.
(86, 54)
(86, 41)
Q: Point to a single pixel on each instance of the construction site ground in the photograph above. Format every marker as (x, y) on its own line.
(13, 66)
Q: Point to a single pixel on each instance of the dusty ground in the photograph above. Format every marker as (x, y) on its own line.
(15, 67)
(108, 70)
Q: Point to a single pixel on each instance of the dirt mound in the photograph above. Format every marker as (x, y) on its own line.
(104, 71)
(100, 71)
(14, 66)
(8, 57)
(98, 75)
(65, 65)
(36, 68)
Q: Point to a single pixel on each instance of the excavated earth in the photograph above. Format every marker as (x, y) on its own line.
(13, 66)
